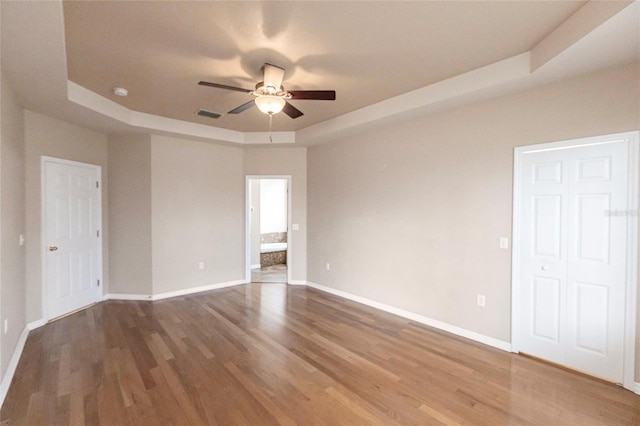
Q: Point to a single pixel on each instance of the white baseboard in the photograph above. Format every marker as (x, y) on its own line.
(635, 388)
(36, 324)
(256, 266)
(13, 364)
(490, 341)
(127, 296)
(168, 294)
(297, 282)
(192, 290)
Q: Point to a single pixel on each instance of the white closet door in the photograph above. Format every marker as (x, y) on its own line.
(597, 259)
(543, 262)
(572, 257)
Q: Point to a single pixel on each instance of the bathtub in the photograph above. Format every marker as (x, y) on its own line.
(272, 247)
(273, 254)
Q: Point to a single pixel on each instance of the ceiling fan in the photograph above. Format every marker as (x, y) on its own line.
(270, 96)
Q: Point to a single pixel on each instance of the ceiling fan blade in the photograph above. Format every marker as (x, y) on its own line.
(273, 76)
(245, 106)
(291, 111)
(224, 86)
(318, 95)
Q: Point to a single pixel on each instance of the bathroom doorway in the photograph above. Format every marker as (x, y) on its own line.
(268, 216)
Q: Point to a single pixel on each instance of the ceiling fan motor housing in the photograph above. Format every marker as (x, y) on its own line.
(262, 90)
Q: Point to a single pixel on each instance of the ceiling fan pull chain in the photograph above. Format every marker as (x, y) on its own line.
(270, 131)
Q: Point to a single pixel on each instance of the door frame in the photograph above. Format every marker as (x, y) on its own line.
(247, 231)
(631, 138)
(44, 160)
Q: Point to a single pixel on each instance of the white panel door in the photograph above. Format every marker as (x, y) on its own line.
(573, 257)
(544, 267)
(72, 241)
(597, 259)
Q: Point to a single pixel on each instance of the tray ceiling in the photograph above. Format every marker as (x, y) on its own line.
(366, 51)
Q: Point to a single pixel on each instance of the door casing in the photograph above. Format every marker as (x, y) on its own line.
(247, 233)
(631, 138)
(43, 226)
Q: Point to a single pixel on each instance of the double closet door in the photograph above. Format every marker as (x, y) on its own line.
(571, 262)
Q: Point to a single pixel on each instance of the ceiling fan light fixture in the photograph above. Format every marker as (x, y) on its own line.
(269, 104)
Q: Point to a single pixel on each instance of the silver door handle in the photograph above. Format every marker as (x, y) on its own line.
(545, 267)
(53, 248)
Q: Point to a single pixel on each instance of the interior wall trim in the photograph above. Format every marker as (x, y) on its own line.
(291, 253)
(127, 296)
(168, 294)
(458, 331)
(13, 364)
(36, 324)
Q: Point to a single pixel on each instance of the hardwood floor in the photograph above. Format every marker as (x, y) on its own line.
(271, 354)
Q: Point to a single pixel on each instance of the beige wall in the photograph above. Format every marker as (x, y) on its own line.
(410, 215)
(130, 214)
(54, 138)
(434, 191)
(12, 260)
(197, 200)
(287, 161)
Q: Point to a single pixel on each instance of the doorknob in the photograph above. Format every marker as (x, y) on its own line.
(545, 267)
(53, 248)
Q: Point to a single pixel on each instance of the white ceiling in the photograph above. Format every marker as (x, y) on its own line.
(64, 59)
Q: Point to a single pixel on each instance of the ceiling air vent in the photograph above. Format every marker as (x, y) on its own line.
(205, 113)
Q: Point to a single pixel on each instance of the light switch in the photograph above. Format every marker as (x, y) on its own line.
(295, 226)
(21, 240)
(504, 242)
(481, 300)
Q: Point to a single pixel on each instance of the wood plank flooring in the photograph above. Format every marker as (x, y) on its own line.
(265, 354)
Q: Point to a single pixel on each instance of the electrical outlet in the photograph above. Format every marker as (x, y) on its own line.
(480, 300)
(6, 325)
(21, 240)
(327, 266)
(201, 265)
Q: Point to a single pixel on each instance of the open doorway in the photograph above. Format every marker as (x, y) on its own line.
(268, 213)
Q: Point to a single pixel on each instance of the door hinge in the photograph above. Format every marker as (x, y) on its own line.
(97, 233)
(97, 184)
(98, 283)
